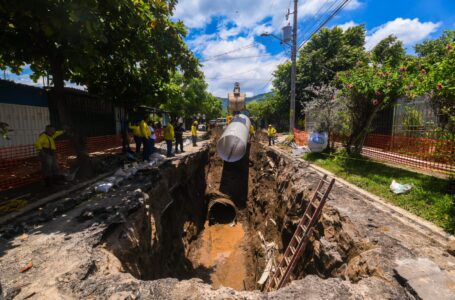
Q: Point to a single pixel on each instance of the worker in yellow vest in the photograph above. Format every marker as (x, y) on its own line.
(145, 136)
(194, 133)
(136, 136)
(169, 138)
(45, 144)
(228, 120)
(252, 132)
(271, 132)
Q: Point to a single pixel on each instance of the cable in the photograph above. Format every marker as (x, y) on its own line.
(307, 28)
(228, 52)
(339, 8)
(322, 24)
(241, 57)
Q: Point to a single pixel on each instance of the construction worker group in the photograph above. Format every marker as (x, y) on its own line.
(171, 132)
(144, 135)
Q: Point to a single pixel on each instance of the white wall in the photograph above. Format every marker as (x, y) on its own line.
(27, 122)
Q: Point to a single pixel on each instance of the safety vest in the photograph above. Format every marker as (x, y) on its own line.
(193, 130)
(45, 141)
(251, 129)
(271, 131)
(169, 132)
(136, 130)
(145, 130)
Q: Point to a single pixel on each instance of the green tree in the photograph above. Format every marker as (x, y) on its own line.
(120, 50)
(189, 96)
(389, 51)
(368, 89)
(435, 77)
(325, 54)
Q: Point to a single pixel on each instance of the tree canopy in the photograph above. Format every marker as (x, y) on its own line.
(124, 50)
(366, 81)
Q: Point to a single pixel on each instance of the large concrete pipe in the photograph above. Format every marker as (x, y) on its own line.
(221, 211)
(233, 143)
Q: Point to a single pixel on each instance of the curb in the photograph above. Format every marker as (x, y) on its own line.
(417, 223)
(51, 198)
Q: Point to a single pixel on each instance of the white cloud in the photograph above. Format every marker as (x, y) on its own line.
(251, 66)
(238, 23)
(248, 14)
(347, 25)
(409, 31)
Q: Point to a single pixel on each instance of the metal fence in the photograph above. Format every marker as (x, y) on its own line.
(423, 153)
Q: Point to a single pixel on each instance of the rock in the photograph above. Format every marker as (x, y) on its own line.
(451, 247)
(425, 280)
(12, 293)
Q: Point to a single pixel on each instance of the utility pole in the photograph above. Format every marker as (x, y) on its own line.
(293, 69)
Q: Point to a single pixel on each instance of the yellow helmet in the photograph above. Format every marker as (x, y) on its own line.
(196, 122)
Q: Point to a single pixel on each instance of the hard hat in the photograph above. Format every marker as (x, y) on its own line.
(195, 122)
(270, 125)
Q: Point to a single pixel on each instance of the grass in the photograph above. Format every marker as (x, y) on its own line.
(429, 198)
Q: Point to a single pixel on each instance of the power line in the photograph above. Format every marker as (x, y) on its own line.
(322, 24)
(242, 57)
(318, 17)
(330, 17)
(229, 52)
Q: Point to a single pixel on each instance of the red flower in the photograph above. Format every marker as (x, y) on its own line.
(350, 86)
(377, 93)
(449, 47)
(439, 86)
(375, 102)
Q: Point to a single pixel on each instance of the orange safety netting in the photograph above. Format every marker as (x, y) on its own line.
(300, 137)
(422, 153)
(19, 165)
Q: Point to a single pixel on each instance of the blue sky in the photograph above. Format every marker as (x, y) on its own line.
(219, 26)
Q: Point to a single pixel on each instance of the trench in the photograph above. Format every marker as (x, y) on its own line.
(213, 220)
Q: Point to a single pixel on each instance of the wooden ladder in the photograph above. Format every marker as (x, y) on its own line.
(302, 234)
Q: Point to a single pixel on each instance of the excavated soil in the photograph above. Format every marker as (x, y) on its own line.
(194, 225)
(217, 223)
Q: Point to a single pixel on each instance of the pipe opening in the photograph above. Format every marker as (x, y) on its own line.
(221, 211)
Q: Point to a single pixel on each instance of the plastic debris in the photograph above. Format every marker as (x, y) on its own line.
(317, 142)
(399, 188)
(104, 187)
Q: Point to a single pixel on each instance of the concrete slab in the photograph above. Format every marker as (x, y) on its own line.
(425, 280)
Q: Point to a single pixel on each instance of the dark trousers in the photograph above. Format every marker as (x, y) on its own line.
(271, 140)
(152, 146)
(138, 141)
(49, 165)
(178, 141)
(169, 148)
(194, 138)
(147, 148)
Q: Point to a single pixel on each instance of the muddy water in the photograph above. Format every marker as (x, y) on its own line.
(219, 250)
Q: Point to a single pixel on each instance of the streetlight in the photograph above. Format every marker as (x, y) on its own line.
(282, 41)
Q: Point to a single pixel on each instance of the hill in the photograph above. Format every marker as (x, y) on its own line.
(258, 97)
